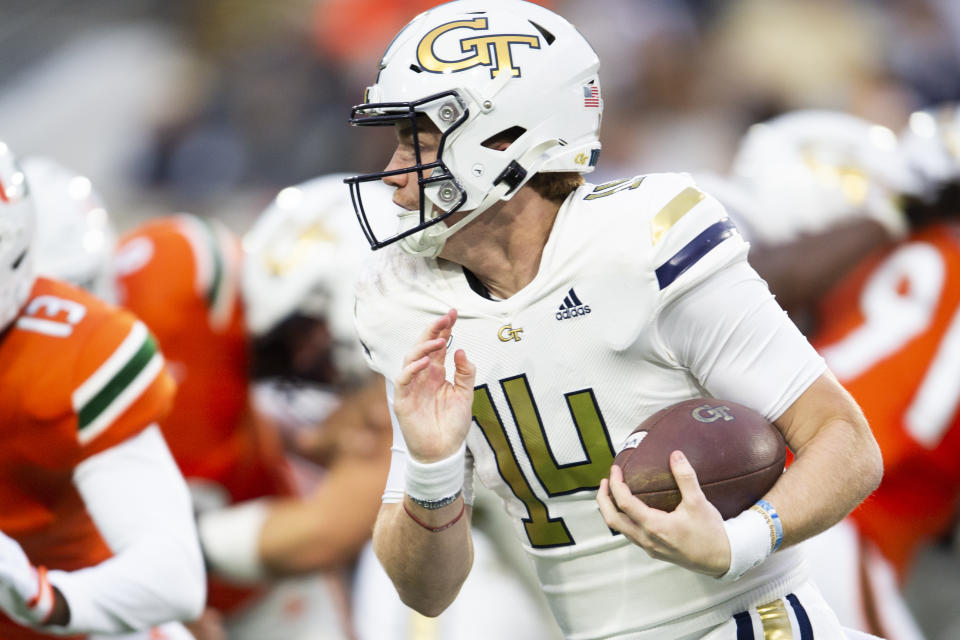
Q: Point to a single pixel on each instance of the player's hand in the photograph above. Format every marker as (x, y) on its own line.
(358, 428)
(434, 414)
(692, 535)
(25, 594)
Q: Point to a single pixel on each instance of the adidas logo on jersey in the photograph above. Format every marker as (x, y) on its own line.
(572, 307)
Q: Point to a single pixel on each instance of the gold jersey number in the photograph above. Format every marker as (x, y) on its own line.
(556, 479)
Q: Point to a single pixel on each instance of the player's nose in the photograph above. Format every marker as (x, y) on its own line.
(397, 180)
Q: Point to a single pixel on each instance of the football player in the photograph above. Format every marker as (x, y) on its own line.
(814, 191)
(889, 332)
(96, 531)
(526, 322)
(276, 312)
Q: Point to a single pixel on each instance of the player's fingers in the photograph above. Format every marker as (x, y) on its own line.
(465, 373)
(614, 518)
(441, 327)
(624, 498)
(424, 349)
(686, 477)
(410, 371)
(617, 519)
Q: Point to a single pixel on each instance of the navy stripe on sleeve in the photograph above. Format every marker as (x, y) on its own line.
(693, 251)
(744, 625)
(803, 621)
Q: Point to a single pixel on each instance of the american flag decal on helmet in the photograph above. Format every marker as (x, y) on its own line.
(591, 96)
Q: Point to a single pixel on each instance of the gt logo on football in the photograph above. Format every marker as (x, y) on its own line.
(487, 51)
(706, 413)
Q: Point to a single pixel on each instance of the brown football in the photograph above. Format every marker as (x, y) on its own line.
(737, 454)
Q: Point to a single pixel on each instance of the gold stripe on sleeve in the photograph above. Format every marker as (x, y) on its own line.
(775, 621)
(678, 207)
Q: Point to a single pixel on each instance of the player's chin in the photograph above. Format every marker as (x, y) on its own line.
(405, 204)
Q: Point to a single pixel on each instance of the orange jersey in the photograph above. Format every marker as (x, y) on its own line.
(181, 274)
(891, 333)
(77, 376)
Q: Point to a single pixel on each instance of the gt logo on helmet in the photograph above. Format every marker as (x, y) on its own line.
(486, 51)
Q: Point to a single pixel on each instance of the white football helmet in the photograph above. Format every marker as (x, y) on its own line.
(931, 142)
(739, 202)
(476, 69)
(17, 224)
(302, 256)
(810, 169)
(75, 236)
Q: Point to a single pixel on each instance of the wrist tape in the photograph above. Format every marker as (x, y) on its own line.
(435, 484)
(753, 535)
(230, 539)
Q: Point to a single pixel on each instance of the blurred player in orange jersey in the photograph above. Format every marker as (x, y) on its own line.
(891, 333)
(96, 532)
(277, 313)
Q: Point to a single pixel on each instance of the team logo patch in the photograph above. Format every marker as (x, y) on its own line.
(494, 51)
(508, 333)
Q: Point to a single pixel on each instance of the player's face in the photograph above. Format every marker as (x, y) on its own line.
(427, 136)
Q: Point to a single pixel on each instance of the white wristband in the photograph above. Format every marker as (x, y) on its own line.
(750, 542)
(230, 539)
(434, 482)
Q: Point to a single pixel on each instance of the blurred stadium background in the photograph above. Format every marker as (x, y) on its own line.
(211, 106)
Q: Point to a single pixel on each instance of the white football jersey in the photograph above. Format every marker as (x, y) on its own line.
(571, 364)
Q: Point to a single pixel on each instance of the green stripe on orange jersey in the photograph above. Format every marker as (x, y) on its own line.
(117, 383)
(216, 259)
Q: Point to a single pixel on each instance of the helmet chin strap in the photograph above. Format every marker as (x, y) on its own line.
(429, 242)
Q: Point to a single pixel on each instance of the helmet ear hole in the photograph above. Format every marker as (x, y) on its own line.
(502, 140)
(549, 37)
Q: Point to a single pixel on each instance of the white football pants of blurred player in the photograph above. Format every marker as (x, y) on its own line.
(855, 578)
(311, 607)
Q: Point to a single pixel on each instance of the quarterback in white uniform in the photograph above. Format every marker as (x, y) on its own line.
(584, 310)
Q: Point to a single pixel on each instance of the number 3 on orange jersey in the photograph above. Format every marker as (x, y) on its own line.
(51, 316)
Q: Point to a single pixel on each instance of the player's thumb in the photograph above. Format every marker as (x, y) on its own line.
(465, 371)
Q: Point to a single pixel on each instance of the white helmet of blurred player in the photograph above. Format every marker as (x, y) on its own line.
(75, 237)
(739, 201)
(17, 221)
(811, 169)
(479, 70)
(931, 142)
(302, 256)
